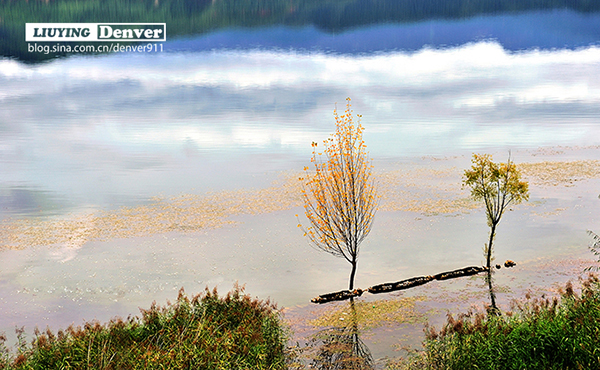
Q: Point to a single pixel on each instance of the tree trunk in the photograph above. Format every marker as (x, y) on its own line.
(489, 251)
(351, 286)
(489, 266)
(494, 308)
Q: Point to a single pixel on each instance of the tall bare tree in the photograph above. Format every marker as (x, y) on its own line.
(340, 198)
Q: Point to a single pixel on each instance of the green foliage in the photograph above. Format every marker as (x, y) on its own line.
(594, 248)
(206, 332)
(497, 184)
(542, 334)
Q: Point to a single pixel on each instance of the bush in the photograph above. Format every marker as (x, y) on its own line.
(542, 334)
(206, 332)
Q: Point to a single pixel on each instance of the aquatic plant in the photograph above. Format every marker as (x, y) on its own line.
(340, 198)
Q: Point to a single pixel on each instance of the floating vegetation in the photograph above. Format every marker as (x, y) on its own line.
(555, 173)
(187, 212)
(424, 190)
(555, 212)
(370, 315)
(401, 191)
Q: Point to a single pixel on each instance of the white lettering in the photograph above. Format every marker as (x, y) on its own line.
(105, 32)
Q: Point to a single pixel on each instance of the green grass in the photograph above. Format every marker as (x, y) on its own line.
(205, 332)
(238, 332)
(542, 334)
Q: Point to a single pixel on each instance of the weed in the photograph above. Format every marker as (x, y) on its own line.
(204, 332)
(539, 334)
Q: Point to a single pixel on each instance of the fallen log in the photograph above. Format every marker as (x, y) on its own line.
(467, 271)
(399, 285)
(337, 296)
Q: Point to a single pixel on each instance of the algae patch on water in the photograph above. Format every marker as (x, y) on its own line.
(183, 213)
(555, 173)
(424, 190)
(371, 315)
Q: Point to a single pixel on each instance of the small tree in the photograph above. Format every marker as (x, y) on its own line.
(498, 185)
(339, 197)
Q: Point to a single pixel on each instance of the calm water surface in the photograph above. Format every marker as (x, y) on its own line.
(103, 131)
(83, 135)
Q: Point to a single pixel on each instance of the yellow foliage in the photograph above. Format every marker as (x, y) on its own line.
(340, 196)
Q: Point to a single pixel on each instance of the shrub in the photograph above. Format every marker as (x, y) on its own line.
(205, 332)
(541, 334)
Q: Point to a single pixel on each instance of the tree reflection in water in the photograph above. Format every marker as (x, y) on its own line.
(492, 309)
(340, 347)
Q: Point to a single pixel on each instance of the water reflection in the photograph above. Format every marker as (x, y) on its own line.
(493, 308)
(340, 347)
(95, 133)
(110, 130)
(366, 26)
(543, 29)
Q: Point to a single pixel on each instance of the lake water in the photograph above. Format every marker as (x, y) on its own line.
(202, 142)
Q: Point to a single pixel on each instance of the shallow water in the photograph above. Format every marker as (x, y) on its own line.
(266, 252)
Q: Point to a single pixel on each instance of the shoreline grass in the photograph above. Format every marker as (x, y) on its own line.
(204, 332)
(236, 331)
(559, 333)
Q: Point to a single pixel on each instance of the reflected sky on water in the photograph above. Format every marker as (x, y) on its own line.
(100, 131)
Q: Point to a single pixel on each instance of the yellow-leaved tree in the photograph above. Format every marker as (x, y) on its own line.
(340, 198)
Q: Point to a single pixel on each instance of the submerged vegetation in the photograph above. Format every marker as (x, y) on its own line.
(204, 332)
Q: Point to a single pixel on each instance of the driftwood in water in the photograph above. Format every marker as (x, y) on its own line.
(467, 271)
(509, 264)
(409, 283)
(399, 285)
(337, 296)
